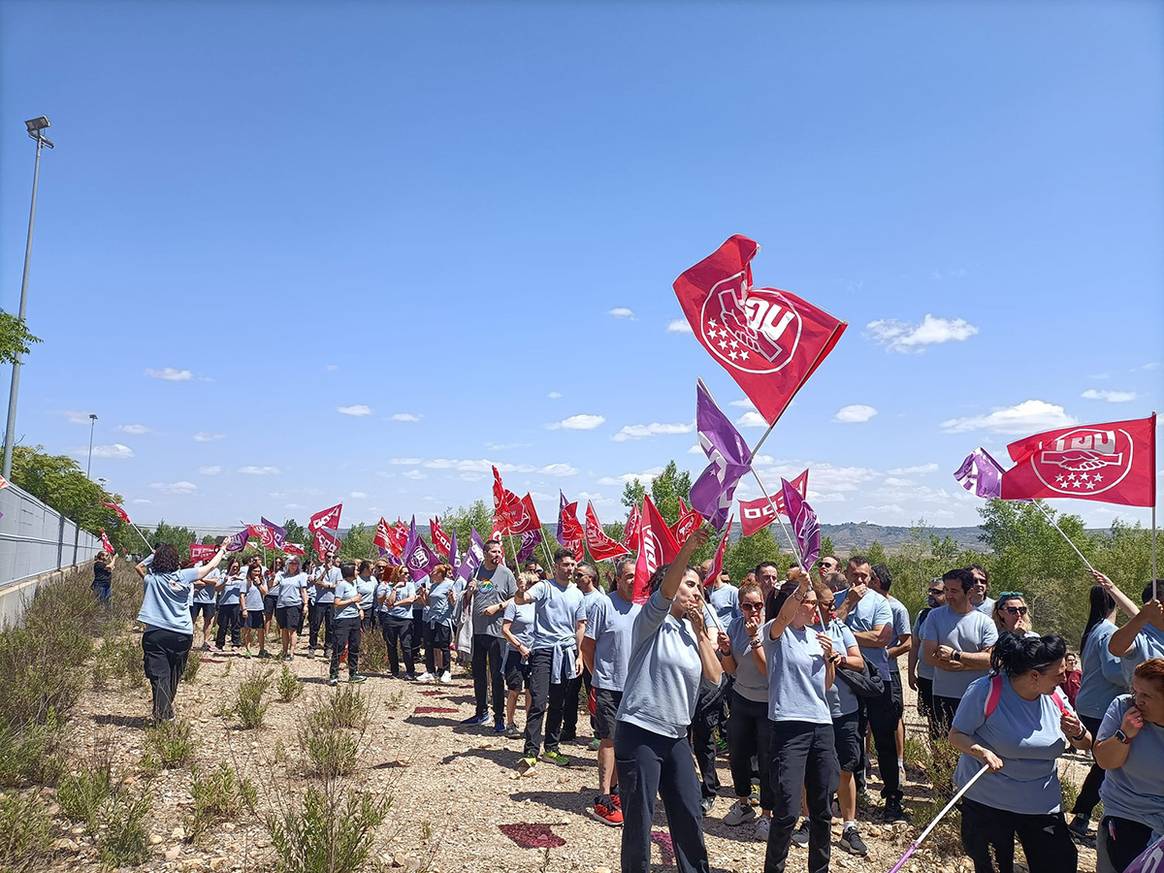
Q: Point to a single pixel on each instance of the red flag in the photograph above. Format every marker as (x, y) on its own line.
(1110, 463)
(523, 517)
(200, 552)
(383, 538)
(326, 543)
(572, 536)
(398, 538)
(264, 534)
(293, 549)
(106, 546)
(118, 511)
(717, 563)
(630, 531)
(656, 547)
(688, 523)
(326, 518)
(755, 515)
(769, 340)
(601, 546)
(440, 539)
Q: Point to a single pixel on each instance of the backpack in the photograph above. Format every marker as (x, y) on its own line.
(866, 682)
(995, 695)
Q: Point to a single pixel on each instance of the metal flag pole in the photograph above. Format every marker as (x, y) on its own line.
(783, 526)
(1051, 521)
(914, 845)
(1155, 578)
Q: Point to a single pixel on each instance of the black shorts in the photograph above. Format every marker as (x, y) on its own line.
(207, 609)
(269, 604)
(606, 712)
(516, 671)
(256, 618)
(898, 693)
(847, 741)
(437, 636)
(288, 617)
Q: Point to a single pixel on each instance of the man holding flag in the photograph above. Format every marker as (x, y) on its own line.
(485, 596)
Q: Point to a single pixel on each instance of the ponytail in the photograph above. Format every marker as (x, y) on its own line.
(1015, 655)
(1102, 603)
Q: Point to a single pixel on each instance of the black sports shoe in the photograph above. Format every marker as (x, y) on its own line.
(893, 811)
(800, 835)
(852, 843)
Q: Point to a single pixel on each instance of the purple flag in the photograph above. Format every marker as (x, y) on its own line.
(474, 555)
(279, 533)
(805, 527)
(1150, 860)
(530, 540)
(238, 541)
(392, 560)
(562, 504)
(981, 474)
(454, 555)
(418, 557)
(730, 457)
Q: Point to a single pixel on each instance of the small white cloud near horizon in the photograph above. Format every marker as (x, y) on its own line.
(133, 429)
(854, 413)
(751, 419)
(1108, 396)
(558, 470)
(141, 500)
(358, 495)
(555, 395)
(621, 312)
(743, 403)
(405, 462)
(75, 417)
(655, 428)
(920, 468)
(356, 409)
(204, 437)
(679, 325)
(253, 470)
(1030, 416)
(170, 374)
(900, 336)
(113, 452)
(210, 470)
(181, 487)
(646, 477)
(581, 421)
(406, 416)
(414, 474)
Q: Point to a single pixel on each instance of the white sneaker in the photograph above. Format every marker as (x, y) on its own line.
(446, 677)
(740, 812)
(426, 677)
(763, 823)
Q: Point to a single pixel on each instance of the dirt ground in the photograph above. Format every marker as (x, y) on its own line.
(453, 788)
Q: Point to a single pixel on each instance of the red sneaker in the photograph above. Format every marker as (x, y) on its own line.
(617, 800)
(605, 811)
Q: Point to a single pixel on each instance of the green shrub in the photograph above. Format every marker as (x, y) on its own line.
(373, 653)
(123, 840)
(25, 833)
(219, 796)
(331, 751)
(249, 705)
(332, 831)
(193, 662)
(168, 744)
(31, 754)
(938, 760)
(288, 685)
(346, 708)
(82, 793)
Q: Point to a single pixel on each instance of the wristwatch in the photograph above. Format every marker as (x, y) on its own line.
(1121, 736)
(956, 657)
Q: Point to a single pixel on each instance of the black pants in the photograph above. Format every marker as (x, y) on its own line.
(944, 709)
(1045, 840)
(881, 714)
(398, 631)
(804, 762)
(164, 654)
(570, 705)
(1089, 793)
(703, 725)
(1121, 841)
(925, 699)
(749, 733)
(228, 620)
(487, 665)
(347, 633)
(547, 701)
(417, 636)
(436, 639)
(322, 614)
(651, 766)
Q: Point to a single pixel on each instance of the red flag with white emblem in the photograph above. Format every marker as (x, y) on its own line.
(656, 548)
(717, 562)
(630, 531)
(755, 515)
(601, 546)
(383, 538)
(326, 518)
(769, 340)
(106, 546)
(688, 523)
(440, 539)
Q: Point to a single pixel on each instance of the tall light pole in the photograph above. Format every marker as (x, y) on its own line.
(92, 424)
(36, 127)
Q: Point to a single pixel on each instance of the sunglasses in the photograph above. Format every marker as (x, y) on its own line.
(937, 591)
(751, 606)
(1016, 610)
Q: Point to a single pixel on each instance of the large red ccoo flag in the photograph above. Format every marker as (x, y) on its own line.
(1110, 463)
(656, 548)
(769, 340)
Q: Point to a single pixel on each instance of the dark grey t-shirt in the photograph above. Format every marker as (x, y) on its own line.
(493, 586)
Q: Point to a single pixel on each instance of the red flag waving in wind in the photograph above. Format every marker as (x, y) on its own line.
(1110, 463)
(398, 538)
(326, 518)
(326, 543)
(507, 506)
(383, 538)
(769, 340)
(106, 546)
(440, 539)
(630, 531)
(601, 546)
(717, 562)
(523, 517)
(757, 514)
(118, 511)
(569, 533)
(688, 523)
(656, 547)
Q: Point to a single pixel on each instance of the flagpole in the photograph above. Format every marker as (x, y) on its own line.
(1053, 524)
(151, 548)
(1155, 578)
(771, 427)
(783, 527)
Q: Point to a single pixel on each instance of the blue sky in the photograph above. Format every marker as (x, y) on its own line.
(292, 254)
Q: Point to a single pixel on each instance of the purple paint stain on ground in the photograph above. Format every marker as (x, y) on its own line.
(532, 836)
(432, 693)
(662, 839)
(428, 710)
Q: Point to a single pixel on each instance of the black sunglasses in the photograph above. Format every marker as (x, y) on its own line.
(1016, 610)
(751, 606)
(937, 591)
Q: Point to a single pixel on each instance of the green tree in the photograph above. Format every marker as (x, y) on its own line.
(826, 547)
(464, 519)
(173, 535)
(742, 556)
(59, 481)
(667, 488)
(14, 339)
(357, 544)
(633, 493)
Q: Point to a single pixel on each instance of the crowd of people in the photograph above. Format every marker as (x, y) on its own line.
(795, 676)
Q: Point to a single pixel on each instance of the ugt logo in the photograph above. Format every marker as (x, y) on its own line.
(1084, 461)
(755, 330)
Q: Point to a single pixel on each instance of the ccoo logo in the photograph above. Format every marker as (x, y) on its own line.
(1084, 461)
(755, 330)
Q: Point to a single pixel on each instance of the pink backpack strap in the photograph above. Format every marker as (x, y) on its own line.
(994, 695)
(1059, 702)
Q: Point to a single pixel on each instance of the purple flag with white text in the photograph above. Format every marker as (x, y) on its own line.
(981, 474)
(474, 555)
(279, 533)
(1150, 860)
(805, 526)
(238, 541)
(730, 457)
(418, 557)
(530, 540)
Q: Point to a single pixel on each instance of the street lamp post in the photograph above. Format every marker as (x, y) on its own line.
(92, 424)
(36, 127)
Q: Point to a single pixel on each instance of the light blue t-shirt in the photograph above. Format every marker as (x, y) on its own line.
(205, 590)
(404, 590)
(842, 700)
(559, 609)
(290, 590)
(796, 676)
(1134, 791)
(611, 625)
(344, 590)
(900, 629)
(1149, 643)
(725, 600)
(1026, 735)
(870, 612)
(1103, 678)
(986, 607)
(332, 576)
(439, 611)
(664, 671)
(382, 590)
(232, 588)
(972, 632)
(590, 598)
(367, 589)
(521, 620)
(253, 596)
(751, 682)
(924, 670)
(166, 599)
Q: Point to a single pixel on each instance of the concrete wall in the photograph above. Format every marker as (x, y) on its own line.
(36, 539)
(15, 597)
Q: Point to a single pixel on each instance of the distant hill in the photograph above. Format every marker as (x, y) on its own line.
(856, 535)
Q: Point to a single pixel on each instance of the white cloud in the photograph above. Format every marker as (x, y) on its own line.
(555, 395)
(252, 470)
(204, 437)
(470, 477)
(640, 431)
(331, 368)
(751, 419)
(356, 409)
(646, 477)
(855, 413)
(582, 421)
(501, 447)
(745, 403)
(1030, 416)
(920, 468)
(621, 312)
(558, 470)
(140, 500)
(169, 374)
(1109, 396)
(210, 470)
(405, 416)
(1151, 365)
(901, 336)
(414, 474)
(679, 325)
(114, 451)
(182, 487)
(133, 429)
(358, 495)
(696, 449)
(895, 482)
(75, 417)
(405, 462)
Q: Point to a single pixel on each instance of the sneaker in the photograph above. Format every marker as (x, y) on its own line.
(526, 766)
(740, 812)
(800, 835)
(852, 843)
(410, 676)
(499, 727)
(606, 812)
(356, 678)
(893, 811)
(446, 677)
(476, 720)
(760, 831)
(333, 681)
(556, 757)
(705, 805)
(616, 798)
(426, 678)
(513, 732)
(287, 658)
(594, 745)
(263, 653)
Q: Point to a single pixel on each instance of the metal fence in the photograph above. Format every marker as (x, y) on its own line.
(35, 538)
